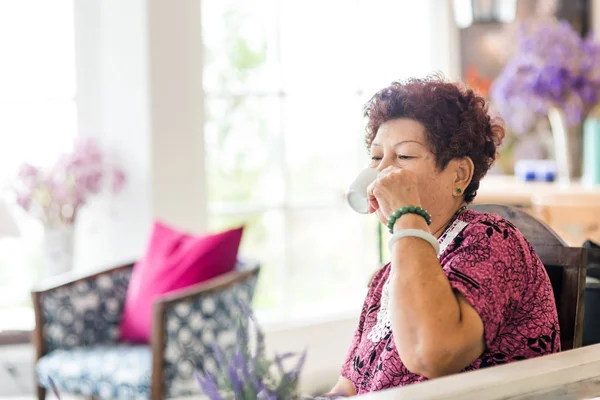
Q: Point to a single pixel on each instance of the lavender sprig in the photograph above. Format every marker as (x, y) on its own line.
(53, 387)
(247, 375)
(208, 385)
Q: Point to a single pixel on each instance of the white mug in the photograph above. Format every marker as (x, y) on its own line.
(357, 193)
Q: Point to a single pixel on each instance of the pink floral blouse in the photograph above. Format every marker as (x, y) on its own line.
(498, 272)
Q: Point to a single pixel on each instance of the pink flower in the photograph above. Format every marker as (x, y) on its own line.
(91, 183)
(70, 182)
(118, 180)
(28, 171)
(59, 191)
(24, 202)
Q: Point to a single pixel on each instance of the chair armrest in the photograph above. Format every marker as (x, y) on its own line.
(71, 278)
(189, 322)
(204, 289)
(78, 311)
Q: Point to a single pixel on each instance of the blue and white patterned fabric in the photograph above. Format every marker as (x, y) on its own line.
(108, 372)
(193, 327)
(86, 312)
(81, 324)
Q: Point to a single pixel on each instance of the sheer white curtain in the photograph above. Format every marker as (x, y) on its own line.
(37, 122)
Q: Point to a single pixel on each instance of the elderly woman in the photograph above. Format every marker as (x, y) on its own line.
(464, 290)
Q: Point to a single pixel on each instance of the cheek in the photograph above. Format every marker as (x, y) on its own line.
(432, 191)
(433, 186)
(427, 190)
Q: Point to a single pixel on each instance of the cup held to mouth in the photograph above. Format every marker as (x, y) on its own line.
(357, 193)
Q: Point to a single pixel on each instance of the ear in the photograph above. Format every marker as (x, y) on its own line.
(464, 169)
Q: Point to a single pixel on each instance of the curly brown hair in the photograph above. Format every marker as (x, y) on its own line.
(456, 121)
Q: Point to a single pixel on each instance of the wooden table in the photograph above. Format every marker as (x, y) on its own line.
(503, 189)
(569, 375)
(573, 211)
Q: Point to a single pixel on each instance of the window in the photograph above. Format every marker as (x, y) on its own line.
(37, 121)
(285, 82)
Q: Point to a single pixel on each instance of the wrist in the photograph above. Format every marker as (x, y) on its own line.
(416, 233)
(401, 212)
(411, 221)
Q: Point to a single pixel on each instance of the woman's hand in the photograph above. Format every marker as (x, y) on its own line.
(393, 189)
(343, 388)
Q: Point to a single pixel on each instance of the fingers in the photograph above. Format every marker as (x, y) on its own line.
(388, 173)
(370, 189)
(387, 170)
(373, 205)
(372, 192)
(375, 187)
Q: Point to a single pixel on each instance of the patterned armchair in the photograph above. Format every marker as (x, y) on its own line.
(77, 328)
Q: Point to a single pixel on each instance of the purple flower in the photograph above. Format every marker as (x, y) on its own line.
(236, 383)
(553, 67)
(209, 386)
(53, 387)
(244, 375)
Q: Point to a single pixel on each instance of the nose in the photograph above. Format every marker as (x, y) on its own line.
(384, 163)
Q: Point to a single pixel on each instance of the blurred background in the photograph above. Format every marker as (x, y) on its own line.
(227, 112)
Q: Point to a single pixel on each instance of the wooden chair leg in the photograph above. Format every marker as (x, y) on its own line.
(41, 393)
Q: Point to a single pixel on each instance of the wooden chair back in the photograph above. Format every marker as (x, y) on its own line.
(566, 267)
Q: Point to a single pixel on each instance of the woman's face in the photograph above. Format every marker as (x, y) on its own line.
(401, 143)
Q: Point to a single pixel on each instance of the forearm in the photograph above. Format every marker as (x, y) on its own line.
(425, 312)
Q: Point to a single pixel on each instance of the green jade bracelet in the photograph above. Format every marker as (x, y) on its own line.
(408, 210)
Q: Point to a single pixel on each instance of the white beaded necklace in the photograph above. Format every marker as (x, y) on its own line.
(383, 326)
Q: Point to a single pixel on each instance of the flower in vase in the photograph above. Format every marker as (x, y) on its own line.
(55, 194)
(28, 172)
(553, 67)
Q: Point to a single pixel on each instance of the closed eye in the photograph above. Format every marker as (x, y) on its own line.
(375, 158)
(405, 157)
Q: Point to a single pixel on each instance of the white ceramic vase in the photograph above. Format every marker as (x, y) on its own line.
(58, 245)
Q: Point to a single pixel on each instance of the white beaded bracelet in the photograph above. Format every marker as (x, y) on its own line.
(421, 234)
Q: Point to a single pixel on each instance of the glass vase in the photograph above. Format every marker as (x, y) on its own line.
(567, 146)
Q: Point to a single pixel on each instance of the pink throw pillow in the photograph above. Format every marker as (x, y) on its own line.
(173, 260)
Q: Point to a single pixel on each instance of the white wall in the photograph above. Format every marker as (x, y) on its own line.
(445, 40)
(112, 101)
(139, 89)
(175, 50)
